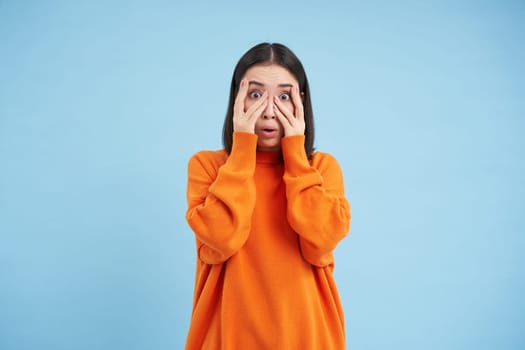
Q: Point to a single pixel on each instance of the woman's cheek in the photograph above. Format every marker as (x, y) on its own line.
(291, 107)
(247, 104)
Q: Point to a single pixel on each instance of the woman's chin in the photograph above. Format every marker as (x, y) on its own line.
(268, 147)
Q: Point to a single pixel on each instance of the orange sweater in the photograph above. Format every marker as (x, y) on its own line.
(266, 224)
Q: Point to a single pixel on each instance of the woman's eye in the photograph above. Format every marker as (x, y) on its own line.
(255, 94)
(284, 97)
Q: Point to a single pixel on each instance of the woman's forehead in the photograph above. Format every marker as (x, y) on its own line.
(270, 75)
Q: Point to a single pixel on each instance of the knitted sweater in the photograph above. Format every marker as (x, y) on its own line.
(266, 224)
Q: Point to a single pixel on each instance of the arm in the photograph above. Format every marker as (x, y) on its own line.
(317, 208)
(221, 202)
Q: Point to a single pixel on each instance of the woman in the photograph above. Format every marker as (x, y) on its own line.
(267, 212)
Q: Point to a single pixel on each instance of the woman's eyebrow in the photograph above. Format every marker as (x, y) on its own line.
(255, 82)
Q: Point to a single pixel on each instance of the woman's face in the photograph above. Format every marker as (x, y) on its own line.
(277, 81)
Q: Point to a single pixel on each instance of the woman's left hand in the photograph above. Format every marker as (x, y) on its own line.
(291, 120)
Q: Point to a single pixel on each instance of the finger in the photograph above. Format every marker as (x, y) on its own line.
(285, 121)
(238, 106)
(283, 110)
(298, 103)
(260, 110)
(257, 104)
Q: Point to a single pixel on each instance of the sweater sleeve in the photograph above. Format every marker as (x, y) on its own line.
(221, 202)
(317, 208)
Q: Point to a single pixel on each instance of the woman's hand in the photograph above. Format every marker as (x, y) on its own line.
(292, 121)
(245, 120)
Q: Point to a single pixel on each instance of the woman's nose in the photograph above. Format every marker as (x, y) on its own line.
(269, 111)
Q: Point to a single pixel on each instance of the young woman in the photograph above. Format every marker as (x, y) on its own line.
(267, 212)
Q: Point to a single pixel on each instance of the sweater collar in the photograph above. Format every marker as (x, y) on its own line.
(269, 157)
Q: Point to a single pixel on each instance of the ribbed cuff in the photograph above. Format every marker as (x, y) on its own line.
(243, 150)
(294, 155)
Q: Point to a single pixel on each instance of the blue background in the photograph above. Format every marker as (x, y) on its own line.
(102, 103)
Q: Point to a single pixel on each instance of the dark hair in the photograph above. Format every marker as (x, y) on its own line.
(267, 53)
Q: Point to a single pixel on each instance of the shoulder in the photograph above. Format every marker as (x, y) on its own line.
(323, 160)
(328, 166)
(208, 159)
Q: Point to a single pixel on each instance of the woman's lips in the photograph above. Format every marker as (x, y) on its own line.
(268, 132)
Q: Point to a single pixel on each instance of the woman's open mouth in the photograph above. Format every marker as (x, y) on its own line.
(268, 132)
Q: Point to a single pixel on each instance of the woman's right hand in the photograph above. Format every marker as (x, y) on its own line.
(244, 121)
